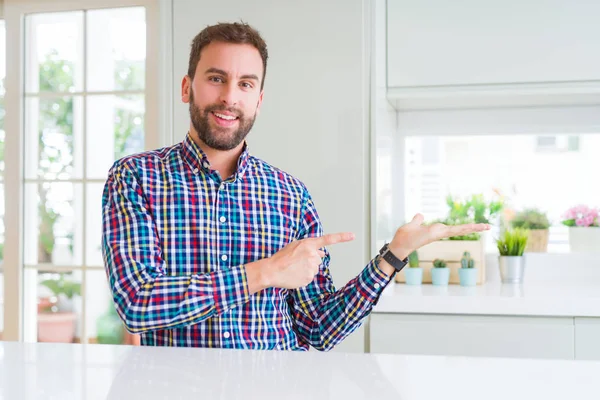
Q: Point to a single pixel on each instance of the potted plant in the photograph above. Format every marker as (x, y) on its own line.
(467, 272)
(475, 208)
(537, 223)
(511, 246)
(584, 228)
(56, 317)
(440, 274)
(414, 273)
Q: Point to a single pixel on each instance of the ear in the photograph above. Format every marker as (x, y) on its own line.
(260, 100)
(186, 87)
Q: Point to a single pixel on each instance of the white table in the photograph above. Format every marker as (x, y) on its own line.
(65, 371)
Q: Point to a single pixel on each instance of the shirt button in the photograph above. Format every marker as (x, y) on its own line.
(195, 170)
(224, 257)
(205, 165)
(377, 286)
(222, 219)
(226, 335)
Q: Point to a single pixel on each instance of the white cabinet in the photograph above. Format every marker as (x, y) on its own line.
(484, 42)
(466, 335)
(587, 338)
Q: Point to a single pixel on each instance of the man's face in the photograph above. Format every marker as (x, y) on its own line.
(225, 95)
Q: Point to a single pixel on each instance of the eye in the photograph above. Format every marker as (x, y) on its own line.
(246, 85)
(216, 79)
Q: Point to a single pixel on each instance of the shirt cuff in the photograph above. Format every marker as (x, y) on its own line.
(230, 288)
(372, 281)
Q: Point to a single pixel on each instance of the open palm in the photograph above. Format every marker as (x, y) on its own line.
(414, 235)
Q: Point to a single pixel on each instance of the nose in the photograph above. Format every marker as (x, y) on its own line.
(229, 95)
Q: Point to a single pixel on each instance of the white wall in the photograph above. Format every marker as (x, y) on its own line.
(314, 120)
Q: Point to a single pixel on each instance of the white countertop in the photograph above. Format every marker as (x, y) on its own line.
(543, 299)
(84, 372)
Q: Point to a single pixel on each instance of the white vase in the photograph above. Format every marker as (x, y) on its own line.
(584, 240)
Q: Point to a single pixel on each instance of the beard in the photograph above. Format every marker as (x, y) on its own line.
(219, 138)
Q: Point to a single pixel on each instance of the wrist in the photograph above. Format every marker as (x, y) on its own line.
(259, 275)
(385, 267)
(400, 252)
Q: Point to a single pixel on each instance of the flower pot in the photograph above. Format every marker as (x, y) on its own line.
(584, 239)
(468, 276)
(414, 276)
(538, 241)
(56, 327)
(440, 276)
(512, 268)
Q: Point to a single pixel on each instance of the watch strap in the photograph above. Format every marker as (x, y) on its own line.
(394, 261)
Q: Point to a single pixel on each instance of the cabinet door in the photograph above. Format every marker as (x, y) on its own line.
(587, 333)
(439, 42)
(469, 335)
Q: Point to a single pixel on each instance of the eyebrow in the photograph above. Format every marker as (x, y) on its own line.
(221, 72)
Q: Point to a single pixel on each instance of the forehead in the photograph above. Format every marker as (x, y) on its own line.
(235, 59)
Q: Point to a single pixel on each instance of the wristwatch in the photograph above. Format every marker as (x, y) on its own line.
(394, 261)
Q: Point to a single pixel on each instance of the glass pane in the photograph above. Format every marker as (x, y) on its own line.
(118, 37)
(54, 300)
(93, 247)
(53, 223)
(54, 52)
(103, 324)
(53, 141)
(526, 171)
(115, 128)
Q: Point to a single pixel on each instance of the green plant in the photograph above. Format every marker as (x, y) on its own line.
(531, 218)
(439, 263)
(474, 208)
(512, 242)
(413, 260)
(62, 285)
(466, 261)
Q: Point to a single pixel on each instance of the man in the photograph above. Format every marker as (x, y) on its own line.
(206, 245)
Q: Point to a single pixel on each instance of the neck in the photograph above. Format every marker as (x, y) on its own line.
(224, 161)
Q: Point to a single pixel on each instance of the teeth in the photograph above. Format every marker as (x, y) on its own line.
(228, 117)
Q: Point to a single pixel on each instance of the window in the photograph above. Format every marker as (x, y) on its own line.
(514, 165)
(84, 107)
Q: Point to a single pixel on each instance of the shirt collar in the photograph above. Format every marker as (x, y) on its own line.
(197, 159)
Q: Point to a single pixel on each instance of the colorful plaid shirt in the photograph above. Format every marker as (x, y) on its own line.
(176, 238)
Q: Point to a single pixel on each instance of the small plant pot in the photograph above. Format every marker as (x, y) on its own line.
(414, 276)
(512, 268)
(538, 241)
(440, 276)
(468, 276)
(584, 239)
(56, 327)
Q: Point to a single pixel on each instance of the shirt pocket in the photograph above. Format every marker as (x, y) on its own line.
(273, 236)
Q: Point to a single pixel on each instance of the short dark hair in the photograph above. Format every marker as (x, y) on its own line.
(237, 33)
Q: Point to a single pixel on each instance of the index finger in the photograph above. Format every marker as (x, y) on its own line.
(330, 238)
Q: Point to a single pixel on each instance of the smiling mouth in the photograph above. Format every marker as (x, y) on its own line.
(224, 116)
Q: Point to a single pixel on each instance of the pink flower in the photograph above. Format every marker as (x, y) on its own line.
(583, 215)
(588, 220)
(582, 209)
(570, 214)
